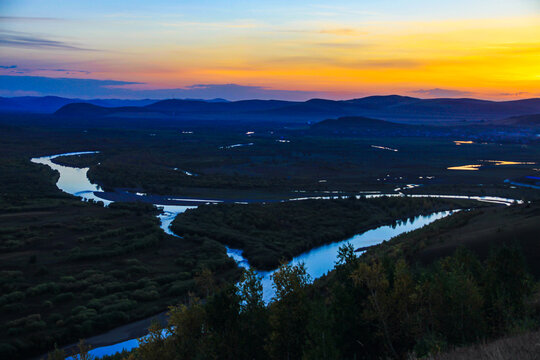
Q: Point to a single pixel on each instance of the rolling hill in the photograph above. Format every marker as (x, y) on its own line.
(523, 120)
(392, 108)
(50, 104)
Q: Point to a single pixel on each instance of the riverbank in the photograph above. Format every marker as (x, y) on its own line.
(78, 185)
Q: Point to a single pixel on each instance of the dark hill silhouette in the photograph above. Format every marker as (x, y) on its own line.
(200, 106)
(357, 123)
(83, 109)
(524, 120)
(45, 104)
(353, 126)
(393, 108)
(50, 104)
(381, 102)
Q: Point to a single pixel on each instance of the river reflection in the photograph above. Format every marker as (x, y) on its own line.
(318, 261)
(72, 180)
(321, 260)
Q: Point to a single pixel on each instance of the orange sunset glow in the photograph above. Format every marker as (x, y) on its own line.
(332, 53)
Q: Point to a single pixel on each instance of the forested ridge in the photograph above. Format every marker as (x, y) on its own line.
(366, 309)
(272, 232)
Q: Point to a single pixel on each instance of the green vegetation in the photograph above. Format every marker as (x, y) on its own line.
(522, 346)
(143, 154)
(79, 161)
(71, 269)
(366, 309)
(478, 230)
(269, 233)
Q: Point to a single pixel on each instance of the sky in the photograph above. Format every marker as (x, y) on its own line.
(296, 50)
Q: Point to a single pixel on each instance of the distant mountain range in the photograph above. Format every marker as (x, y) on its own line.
(50, 104)
(392, 107)
(356, 123)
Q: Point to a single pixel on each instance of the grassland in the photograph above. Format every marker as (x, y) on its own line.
(478, 230)
(71, 269)
(272, 232)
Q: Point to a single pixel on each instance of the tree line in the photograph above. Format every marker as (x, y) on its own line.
(364, 309)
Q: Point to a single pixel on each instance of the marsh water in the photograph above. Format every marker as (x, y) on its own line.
(318, 261)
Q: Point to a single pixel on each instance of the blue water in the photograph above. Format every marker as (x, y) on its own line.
(318, 261)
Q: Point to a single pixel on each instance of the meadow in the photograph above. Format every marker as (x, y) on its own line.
(70, 269)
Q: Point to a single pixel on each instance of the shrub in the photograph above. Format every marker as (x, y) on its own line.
(180, 287)
(42, 288)
(12, 297)
(64, 297)
(146, 294)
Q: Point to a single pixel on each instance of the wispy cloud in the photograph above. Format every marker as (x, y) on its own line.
(24, 40)
(69, 87)
(342, 45)
(341, 32)
(28, 19)
(442, 92)
(14, 69)
(519, 93)
(240, 24)
(329, 31)
(388, 64)
(92, 88)
(67, 71)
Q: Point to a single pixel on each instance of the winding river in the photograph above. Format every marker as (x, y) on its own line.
(318, 261)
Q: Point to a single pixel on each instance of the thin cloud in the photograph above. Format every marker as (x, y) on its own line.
(28, 19)
(67, 71)
(337, 31)
(14, 69)
(92, 88)
(342, 45)
(341, 32)
(69, 87)
(442, 92)
(519, 93)
(388, 64)
(13, 39)
(218, 25)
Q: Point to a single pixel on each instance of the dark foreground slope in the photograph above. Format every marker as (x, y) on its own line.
(522, 346)
(478, 230)
(368, 307)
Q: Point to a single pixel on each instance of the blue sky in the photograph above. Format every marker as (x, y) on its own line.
(338, 50)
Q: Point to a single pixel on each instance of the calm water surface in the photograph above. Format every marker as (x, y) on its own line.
(318, 261)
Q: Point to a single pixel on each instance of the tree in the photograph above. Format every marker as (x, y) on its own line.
(507, 286)
(321, 342)
(289, 280)
(83, 351)
(205, 281)
(373, 277)
(288, 312)
(346, 254)
(251, 291)
(253, 316)
(188, 329)
(452, 301)
(155, 345)
(403, 321)
(56, 354)
(222, 312)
